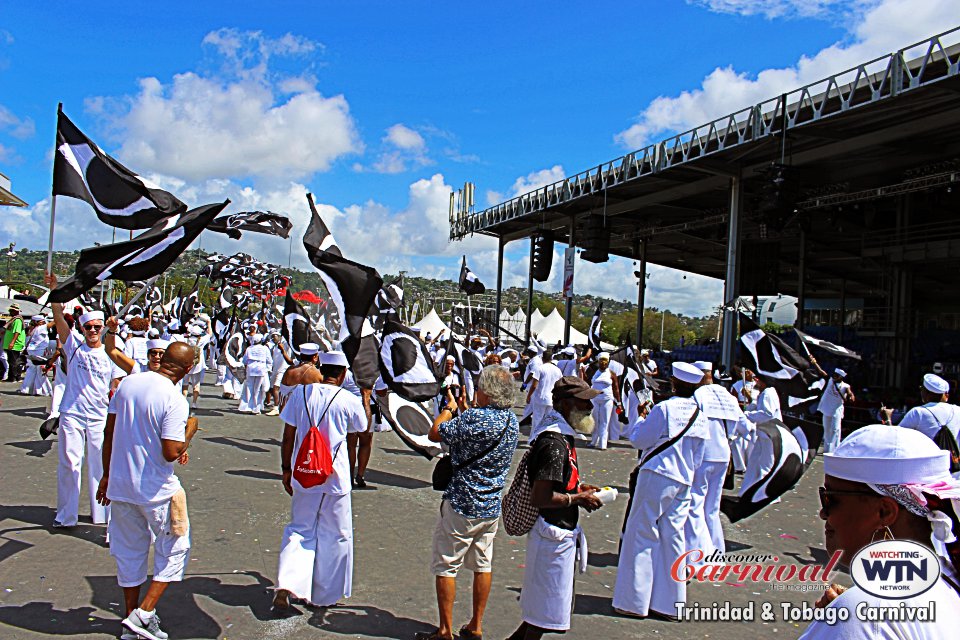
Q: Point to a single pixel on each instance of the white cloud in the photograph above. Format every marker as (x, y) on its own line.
(536, 179)
(20, 128)
(402, 148)
(877, 27)
(241, 122)
(777, 8)
(403, 137)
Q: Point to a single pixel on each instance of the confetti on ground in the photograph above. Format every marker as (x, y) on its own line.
(788, 536)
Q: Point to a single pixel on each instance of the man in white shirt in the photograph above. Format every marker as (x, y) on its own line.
(281, 362)
(835, 393)
(540, 396)
(83, 412)
(316, 552)
(760, 458)
(257, 360)
(671, 438)
(935, 413)
(147, 430)
(35, 382)
(198, 337)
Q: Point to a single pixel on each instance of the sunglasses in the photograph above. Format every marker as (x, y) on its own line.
(825, 497)
(155, 353)
(93, 327)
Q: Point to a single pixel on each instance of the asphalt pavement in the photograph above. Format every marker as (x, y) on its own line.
(62, 582)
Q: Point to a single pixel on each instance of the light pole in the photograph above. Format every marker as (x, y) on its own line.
(11, 254)
(663, 318)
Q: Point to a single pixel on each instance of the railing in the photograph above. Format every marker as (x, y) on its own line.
(898, 72)
(914, 234)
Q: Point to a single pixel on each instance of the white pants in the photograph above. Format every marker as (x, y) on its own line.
(75, 436)
(703, 529)
(254, 389)
(652, 542)
(602, 410)
(221, 374)
(831, 431)
(35, 382)
(738, 452)
(133, 528)
(547, 596)
(539, 411)
(316, 553)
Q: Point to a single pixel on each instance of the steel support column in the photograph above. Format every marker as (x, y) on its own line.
(731, 284)
(801, 281)
(568, 304)
(843, 308)
(526, 335)
(641, 253)
(500, 246)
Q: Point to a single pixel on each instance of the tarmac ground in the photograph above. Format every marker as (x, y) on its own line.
(56, 582)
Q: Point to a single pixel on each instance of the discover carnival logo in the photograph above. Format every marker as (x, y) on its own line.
(895, 569)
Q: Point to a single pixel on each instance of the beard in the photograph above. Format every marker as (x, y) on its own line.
(582, 421)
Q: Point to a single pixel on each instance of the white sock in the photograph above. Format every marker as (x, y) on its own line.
(144, 615)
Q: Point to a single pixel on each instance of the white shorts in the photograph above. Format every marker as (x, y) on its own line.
(132, 528)
(192, 379)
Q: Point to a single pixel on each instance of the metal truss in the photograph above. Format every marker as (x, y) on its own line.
(924, 183)
(877, 80)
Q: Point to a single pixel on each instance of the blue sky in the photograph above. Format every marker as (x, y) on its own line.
(380, 108)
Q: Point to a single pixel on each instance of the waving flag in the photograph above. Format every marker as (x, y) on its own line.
(405, 364)
(786, 454)
(593, 334)
(147, 255)
(296, 327)
(411, 421)
(267, 222)
(768, 355)
(385, 305)
(829, 347)
(120, 197)
(352, 286)
(469, 282)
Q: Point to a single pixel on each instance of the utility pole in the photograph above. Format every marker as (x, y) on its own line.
(663, 318)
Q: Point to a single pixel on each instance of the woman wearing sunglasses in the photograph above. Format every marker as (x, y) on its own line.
(887, 483)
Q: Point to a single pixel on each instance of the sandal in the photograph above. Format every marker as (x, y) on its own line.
(433, 635)
(466, 634)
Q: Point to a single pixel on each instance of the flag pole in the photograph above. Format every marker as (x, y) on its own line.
(146, 287)
(53, 198)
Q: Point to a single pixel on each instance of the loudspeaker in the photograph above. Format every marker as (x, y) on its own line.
(542, 255)
(760, 267)
(596, 240)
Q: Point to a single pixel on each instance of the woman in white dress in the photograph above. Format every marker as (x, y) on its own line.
(605, 381)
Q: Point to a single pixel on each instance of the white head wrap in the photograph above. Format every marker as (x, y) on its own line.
(90, 315)
(686, 372)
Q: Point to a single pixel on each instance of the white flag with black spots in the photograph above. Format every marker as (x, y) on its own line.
(411, 421)
(120, 197)
(405, 364)
(147, 255)
(267, 222)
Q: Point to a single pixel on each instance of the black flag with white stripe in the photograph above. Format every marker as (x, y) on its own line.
(829, 347)
(267, 222)
(469, 282)
(593, 334)
(768, 355)
(386, 304)
(296, 328)
(786, 453)
(120, 197)
(147, 255)
(405, 364)
(351, 285)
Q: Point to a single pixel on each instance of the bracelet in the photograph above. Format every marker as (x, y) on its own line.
(114, 333)
(569, 500)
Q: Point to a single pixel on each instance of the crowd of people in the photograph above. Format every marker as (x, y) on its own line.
(123, 393)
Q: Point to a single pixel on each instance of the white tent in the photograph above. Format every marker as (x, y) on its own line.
(432, 324)
(535, 321)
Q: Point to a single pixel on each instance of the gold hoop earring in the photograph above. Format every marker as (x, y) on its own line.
(887, 534)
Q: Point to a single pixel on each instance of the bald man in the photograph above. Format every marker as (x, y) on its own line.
(148, 428)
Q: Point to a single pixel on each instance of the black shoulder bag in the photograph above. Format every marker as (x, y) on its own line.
(444, 469)
(945, 440)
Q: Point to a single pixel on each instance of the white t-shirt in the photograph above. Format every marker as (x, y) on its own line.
(567, 367)
(345, 416)
(200, 343)
(742, 388)
(149, 408)
(666, 420)
(831, 402)
(350, 384)
(89, 374)
(136, 348)
(768, 407)
(928, 418)
(546, 376)
(257, 360)
(37, 344)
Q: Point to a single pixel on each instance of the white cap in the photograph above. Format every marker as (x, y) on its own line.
(644, 352)
(153, 333)
(256, 338)
(38, 318)
(840, 372)
(935, 384)
(603, 355)
(90, 315)
(173, 325)
(450, 359)
(570, 351)
(334, 358)
(865, 456)
(686, 372)
(157, 343)
(703, 365)
(309, 348)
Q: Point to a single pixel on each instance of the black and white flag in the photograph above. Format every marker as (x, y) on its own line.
(188, 308)
(786, 454)
(593, 333)
(296, 328)
(226, 296)
(405, 364)
(351, 285)
(411, 421)
(147, 255)
(768, 355)
(465, 361)
(829, 347)
(120, 197)
(266, 222)
(469, 282)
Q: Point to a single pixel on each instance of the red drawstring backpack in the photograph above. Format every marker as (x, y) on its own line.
(314, 464)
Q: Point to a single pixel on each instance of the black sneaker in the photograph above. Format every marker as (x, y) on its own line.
(359, 483)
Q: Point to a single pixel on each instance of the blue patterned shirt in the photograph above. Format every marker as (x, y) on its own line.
(474, 492)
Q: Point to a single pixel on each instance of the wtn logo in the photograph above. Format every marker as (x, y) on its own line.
(902, 569)
(895, 569)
